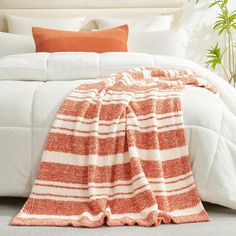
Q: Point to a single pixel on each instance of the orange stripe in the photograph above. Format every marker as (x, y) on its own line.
(85, 145)
(200, 217)
(178, 202)
(79, 174)
(107, 146)
(116, 111)
(160, 85)
(84, 222)
(118, 206)
(166, 169)
(156, 140)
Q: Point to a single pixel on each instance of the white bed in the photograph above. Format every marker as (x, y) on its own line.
(28, 107)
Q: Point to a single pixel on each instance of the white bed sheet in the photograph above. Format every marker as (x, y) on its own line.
(27, 109)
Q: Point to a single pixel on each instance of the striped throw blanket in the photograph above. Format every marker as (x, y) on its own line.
(117, 155)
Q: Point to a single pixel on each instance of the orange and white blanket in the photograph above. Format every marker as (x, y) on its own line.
(116, 154)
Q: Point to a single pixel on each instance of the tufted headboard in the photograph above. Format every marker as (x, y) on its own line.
(91, 9)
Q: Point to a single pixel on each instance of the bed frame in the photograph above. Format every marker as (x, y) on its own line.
(90, 9)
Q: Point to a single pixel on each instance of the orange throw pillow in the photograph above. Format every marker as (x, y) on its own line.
(110, 40)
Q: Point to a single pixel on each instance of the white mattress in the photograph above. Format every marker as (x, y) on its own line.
(28, 108)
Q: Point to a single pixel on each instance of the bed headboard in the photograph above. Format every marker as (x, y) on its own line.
(91, 9)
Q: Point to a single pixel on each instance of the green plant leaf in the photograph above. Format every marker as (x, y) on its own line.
(214, 3)
(214, 56)
(224, 3)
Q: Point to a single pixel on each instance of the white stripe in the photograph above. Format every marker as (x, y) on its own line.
(124, 96)
(142, 214)
(175, 192)
(105, 196)
(87, 91)
(110, 101)
(119, 182)
(91, 101)
(91, 190)
(107, 191)
(120, 158)
(61, 217)
(131, 115)
(131, 123)
(172, 179)
(115, 133)
(93, 133)
(172, 186)
(91, 198)
(158, 155)
(83, 160)
(122, 93)
(188, 211)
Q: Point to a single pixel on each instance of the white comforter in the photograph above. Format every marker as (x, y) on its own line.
(28, 105)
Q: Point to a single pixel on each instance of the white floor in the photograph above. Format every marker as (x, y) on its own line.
(223, 223)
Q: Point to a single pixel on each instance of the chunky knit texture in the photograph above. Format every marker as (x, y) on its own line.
(117, 155)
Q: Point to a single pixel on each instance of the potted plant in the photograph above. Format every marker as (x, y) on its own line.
(225, 26)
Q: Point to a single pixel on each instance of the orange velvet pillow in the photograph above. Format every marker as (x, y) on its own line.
(110, 40)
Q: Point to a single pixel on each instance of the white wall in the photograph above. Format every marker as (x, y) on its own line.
(198, 20)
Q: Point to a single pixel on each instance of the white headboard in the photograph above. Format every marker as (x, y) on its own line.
(92, 9)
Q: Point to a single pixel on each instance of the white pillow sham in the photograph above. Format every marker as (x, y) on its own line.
(140, 24)
(22, 25)
(15, 44)
(172, 42)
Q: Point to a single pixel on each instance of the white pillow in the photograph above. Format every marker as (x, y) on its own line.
(15, 44)
(22, 25)
(141, 24)
(172, 42)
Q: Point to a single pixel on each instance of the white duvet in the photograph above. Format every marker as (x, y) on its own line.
(32, 87)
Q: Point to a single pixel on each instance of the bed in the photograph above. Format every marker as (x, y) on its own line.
(33, 86)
